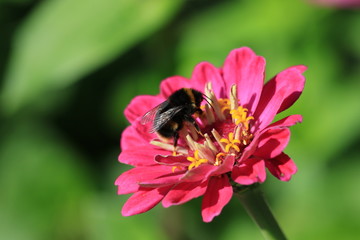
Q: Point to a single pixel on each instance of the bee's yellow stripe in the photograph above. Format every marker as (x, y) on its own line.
(190, 94)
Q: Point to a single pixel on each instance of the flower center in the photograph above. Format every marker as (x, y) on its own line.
(225, 129)
(231, 143)
(196, 160)
(240, 116)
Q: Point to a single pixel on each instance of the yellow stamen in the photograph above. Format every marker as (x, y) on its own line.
(219, 159)
(196, 160)
(240, 116)
(224, 104)
(231, 143)
(246, 137)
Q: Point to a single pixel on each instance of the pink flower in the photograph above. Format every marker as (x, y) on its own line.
(239, 139)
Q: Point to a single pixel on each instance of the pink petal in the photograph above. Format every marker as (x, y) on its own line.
(298, 87)
(171, 84)
(141, 105)
(243, 68)
(144, 156)
(204, 171)
(163, 180)
(225, 167)
(205, 72)
(278, 94)
(128, 182)
(272, 142)
(172, 160)
(252, 170)
(184, 192)
(199, 173)
(217, 195)
(287, 121)
(250, 149)
(135, 135)
(282, 167)
(144, 200)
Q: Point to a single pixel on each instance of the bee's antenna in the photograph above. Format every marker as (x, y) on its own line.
(208, 100)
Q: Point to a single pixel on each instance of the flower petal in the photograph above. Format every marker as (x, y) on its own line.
(282, 167)
(272, 142)
(172, 160)
(252, 170)
(134, 136)
(278, 94)
(217, 195)
(245, 69)
(287, 121)
(298, 86)
(225, 167)
(199, 173)
(128, 182)
(163, 180)
(144, 200)
(141, 105)
(204, 171)
(184, 192)
(205, 72)
(143, 156)
(169, 85)
(250, 149)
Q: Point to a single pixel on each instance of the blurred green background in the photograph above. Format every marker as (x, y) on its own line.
(69, 68)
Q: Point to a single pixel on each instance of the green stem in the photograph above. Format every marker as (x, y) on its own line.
(254, 203)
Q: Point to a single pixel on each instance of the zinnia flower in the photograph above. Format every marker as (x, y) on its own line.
(237, 144)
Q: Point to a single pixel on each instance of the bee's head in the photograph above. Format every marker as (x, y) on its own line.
(197, 98)
(189, 98)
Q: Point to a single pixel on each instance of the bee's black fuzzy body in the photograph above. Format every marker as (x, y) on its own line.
(169, 116)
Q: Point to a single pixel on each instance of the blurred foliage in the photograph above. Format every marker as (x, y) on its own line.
(63, 40)
(69, 68)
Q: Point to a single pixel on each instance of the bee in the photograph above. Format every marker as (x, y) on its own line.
(169, 116)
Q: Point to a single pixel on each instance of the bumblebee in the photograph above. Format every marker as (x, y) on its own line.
(169, 116)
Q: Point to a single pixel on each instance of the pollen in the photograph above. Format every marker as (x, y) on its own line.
(224, 104)
(231, 143)
(240, 115)
(246, 137)
(196, 160)
(219, 159)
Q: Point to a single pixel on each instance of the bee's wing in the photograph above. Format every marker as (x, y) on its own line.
(165, 117)
(150, 115)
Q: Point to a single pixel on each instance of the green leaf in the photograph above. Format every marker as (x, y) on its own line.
(43, 184)
(63, 40)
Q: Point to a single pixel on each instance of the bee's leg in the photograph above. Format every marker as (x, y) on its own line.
(176, 138)
(193, 122)
(198, 129)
